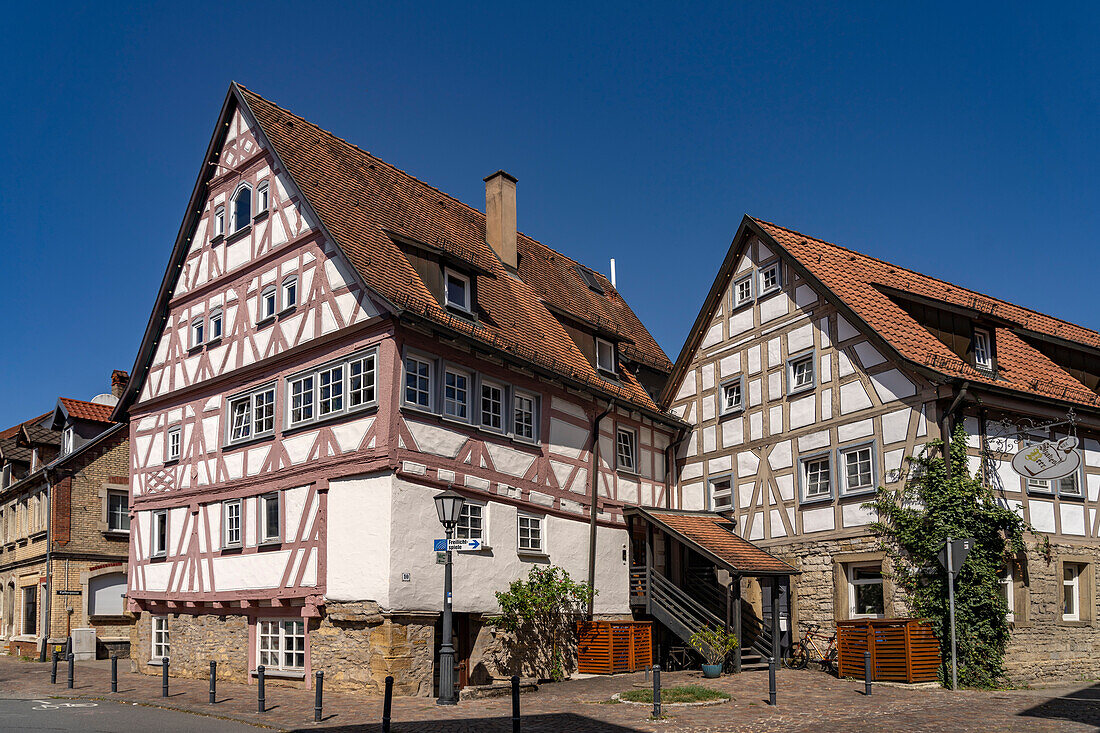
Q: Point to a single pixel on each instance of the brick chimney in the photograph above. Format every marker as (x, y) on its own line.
(500, 217)
(119, 379)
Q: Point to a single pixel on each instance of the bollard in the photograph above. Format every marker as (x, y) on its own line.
(213, 682)
(771, 680)
(387, 705)
(261, 701)
(656, 690)
(867, 673)
(164, 676)
(318, 697)
(114, 672)
(515, 703)
(71, 660)
(53, 668)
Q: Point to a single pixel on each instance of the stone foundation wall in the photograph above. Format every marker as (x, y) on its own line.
(1043, 646)
(194, 642)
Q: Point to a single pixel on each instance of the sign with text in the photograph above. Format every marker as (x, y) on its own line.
(1049, 459)
(441, 545)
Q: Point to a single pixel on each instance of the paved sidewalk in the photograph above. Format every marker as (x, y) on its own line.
(808, 701)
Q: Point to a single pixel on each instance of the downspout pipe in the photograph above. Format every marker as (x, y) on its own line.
(595, 471)
(945, 426)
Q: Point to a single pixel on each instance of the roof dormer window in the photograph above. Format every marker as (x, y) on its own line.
(242, 208)
(605, 356)
(983, 349)
(67, 441)
(456, 290)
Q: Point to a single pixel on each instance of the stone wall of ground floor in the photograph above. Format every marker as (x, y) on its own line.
(1042, 646)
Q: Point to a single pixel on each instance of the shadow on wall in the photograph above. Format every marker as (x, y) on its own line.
(1080, 706)
(549, 723)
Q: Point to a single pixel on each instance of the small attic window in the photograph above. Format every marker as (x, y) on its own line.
(456, 289)
(590, 279)
(983, 350)
(605, 356)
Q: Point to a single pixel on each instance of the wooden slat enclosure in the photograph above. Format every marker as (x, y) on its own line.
(611, 647)
(902, 649)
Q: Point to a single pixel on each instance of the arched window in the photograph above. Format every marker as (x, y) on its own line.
(242, 208)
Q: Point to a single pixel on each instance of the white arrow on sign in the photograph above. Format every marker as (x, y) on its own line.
(463, 544)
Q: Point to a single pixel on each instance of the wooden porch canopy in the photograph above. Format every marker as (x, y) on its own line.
(710, 535)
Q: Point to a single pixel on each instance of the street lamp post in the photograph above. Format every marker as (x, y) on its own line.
(448, 505)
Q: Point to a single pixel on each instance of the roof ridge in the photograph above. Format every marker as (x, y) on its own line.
(924, 275)
(403, 172)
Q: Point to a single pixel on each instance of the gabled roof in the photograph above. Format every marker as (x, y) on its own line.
(865, 289)
(10, 447)
(13, 431)
(367, 205)
(712, 534)
(81, 410)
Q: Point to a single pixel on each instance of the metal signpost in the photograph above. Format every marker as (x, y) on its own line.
(952, 557)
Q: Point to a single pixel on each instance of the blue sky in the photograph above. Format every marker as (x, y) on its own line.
(957, 140)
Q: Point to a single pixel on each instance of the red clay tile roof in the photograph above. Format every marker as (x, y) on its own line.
(713, 533)
(81, 410)
(14, 429)
(360, 198)
(861, 281)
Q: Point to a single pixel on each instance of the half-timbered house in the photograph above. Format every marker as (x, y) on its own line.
(810, 375)
(334, 342)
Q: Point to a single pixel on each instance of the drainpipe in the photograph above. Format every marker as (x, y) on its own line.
(670, 464)
(945, 427)
(592, 510)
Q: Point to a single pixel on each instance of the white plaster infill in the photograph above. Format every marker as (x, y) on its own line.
(705, 703)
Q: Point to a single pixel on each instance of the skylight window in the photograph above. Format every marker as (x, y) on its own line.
(590, 279)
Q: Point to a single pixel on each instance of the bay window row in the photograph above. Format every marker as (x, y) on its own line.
(464, 395)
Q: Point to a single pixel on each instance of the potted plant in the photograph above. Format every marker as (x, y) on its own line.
(714, 645)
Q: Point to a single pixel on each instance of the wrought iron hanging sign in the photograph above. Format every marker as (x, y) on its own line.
(1049, 459)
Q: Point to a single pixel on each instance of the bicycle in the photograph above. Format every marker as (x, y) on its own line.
(807, 650)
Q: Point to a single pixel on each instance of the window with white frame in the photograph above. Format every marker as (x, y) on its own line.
(268, 302)
(530, 533)
(983, 352)
(301, 399)
(742, 291)
(282, 644)
(721, 494)
(471, 522)
(800, 373)
(1007, 592)
(252, 415)
(290, 292)
(865, 596)
(605, 356)
(456, 394)
(67, 441)
(418, 382)
(361, 374)
(492, 405)
(769, 278)
(456, 289)
(172, 444)
(524, 420)
(219, 221)
(160, 533)
(817, 478)
(215, 324)
(242, 208)
(857, 467)
(732, 397)
(330, 390)
(626, 450)
(270, 517)
(1071, 592)
(1070, 485)
(263, 198)
(161, 649)
(118, 511)
(198, 332)
(231, 518)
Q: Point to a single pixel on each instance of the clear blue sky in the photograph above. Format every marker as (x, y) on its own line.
(959, 141)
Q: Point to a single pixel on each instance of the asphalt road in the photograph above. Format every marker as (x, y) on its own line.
(89, 716)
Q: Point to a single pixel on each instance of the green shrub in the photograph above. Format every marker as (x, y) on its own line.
(682, 693)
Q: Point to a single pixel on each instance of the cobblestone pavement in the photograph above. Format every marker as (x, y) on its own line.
(808, 701)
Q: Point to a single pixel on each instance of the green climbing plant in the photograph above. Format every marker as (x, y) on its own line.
(540, 612)
(913, 523)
